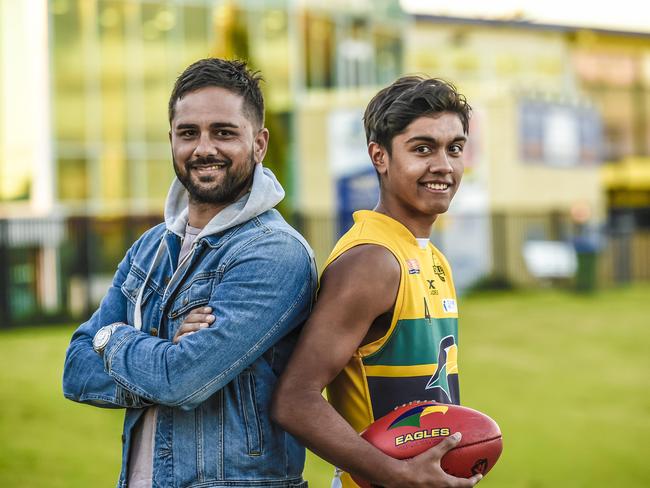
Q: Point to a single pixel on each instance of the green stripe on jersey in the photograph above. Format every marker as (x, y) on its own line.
(414, 342)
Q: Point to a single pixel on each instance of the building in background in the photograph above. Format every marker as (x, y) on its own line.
(84, 152)
(613, 69)
(536, 142)
(84, 155)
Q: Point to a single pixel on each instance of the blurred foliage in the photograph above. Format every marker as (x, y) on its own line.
(491, 282)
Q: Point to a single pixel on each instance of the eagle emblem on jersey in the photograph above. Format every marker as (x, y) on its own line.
(445, 377)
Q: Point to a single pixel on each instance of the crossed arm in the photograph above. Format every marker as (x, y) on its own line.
(358, 287)
(184, 373)
(84, 378)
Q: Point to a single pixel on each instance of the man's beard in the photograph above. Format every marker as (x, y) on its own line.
(225, 192)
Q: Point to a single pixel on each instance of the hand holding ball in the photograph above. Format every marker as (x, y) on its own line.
(413, 428)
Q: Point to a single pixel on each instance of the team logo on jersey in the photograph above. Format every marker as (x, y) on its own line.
(411, 417)
(445, 378)
(439, 272)
(413, 266)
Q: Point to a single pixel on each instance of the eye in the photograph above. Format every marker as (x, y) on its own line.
(456, 149)
(423, 149)
(223, 133)
(187, 133)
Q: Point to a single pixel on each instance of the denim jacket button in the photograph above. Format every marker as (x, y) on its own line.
(154, 332)
(185, 300)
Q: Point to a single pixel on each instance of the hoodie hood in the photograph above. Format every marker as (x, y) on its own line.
(265, 193)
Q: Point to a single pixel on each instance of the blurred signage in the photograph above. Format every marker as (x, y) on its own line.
(559, 135)
(355, 192)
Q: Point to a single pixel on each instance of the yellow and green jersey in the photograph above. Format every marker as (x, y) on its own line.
(416, 359)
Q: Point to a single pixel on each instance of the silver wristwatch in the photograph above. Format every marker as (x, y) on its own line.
(102, 336)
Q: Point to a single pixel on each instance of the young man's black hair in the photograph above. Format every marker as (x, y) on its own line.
(396, 106)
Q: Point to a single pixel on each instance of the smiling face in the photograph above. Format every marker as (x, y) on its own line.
(215, 146)
(422, 174)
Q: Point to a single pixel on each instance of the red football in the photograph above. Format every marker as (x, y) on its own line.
(413, 428)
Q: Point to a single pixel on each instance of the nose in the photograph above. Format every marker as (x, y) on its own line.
(205, 146)
(440, 163)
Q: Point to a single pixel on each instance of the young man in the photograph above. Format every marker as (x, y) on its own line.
(198, 396)
(384, 328)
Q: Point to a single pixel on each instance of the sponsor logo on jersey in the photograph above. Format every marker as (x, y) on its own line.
(413, 266)
(432, 287)
(449, 305)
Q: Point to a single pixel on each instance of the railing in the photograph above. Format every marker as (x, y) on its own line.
(54, 269)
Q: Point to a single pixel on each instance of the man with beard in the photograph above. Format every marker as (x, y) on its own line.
(204, 309)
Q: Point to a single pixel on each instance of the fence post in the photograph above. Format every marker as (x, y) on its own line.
(499, 246)
(622, 246)
(5, 276)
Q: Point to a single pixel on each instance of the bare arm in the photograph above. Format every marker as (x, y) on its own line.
(357, 288)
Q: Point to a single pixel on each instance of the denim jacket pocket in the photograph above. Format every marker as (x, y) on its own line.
(131, 287)
(194, 294)
(250, 412)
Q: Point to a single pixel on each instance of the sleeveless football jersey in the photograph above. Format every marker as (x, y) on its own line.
(416, 359)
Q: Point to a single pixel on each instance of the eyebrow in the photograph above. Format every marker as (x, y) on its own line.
(215, 125)
(433, 140)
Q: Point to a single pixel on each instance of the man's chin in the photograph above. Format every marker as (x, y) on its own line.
(210, 198)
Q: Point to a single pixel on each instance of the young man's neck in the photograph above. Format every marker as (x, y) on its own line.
(419, 225)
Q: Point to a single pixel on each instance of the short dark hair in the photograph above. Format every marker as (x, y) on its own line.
(396, 106)
(233, 75)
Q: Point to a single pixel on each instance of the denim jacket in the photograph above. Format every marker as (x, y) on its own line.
(213, 389)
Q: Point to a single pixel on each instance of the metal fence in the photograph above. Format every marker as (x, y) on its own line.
(59, 268)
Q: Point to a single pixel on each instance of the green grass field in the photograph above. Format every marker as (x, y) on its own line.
(567, 377)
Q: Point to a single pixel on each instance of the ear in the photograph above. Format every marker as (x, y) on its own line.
(261, 144)
(378, 157)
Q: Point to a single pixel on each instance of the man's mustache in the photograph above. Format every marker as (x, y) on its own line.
(208, 161)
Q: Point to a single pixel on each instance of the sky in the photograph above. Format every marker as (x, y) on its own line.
(627, 15)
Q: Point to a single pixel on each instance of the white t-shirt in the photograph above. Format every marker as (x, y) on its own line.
(144, 433)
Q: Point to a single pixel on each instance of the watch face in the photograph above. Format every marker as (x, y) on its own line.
(102, 337)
